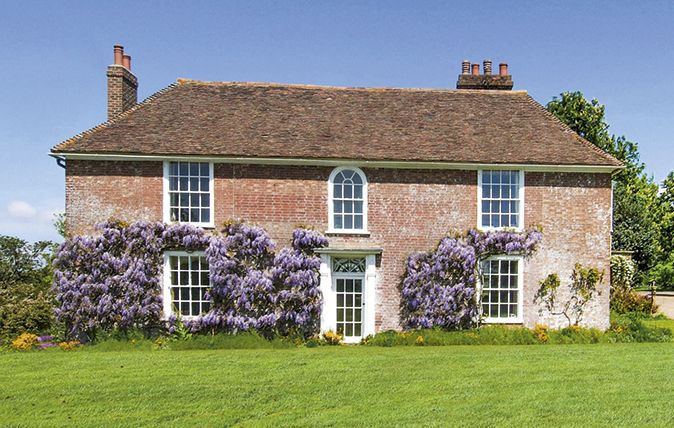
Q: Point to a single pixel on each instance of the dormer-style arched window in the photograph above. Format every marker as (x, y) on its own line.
(347, 200)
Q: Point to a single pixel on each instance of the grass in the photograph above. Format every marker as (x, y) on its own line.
(581, 385)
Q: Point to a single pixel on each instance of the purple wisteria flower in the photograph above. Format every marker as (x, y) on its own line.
(113, 280)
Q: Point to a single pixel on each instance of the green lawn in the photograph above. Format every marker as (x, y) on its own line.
(581, 385)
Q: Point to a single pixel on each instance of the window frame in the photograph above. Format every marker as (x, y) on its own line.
(520, 291)
(167, 299)
(520, 221)
(167, 200)
(331, 214)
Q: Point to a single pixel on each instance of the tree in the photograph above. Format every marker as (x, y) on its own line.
(636, 206)
(26, 302)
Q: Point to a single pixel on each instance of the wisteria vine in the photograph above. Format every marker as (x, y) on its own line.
(438, 288)
(112, 281)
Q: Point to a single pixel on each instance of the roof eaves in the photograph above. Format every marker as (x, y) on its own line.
(567, 129)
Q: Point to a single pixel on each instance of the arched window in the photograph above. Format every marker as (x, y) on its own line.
(347, 191)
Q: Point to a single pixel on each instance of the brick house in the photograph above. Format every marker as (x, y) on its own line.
(384, 172)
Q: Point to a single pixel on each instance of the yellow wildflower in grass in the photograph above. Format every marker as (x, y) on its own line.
(332, 338)
(541, 332)
(419, 341)
(69, 346)
(25, 342)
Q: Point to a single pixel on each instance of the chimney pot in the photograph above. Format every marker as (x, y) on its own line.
(503, 69)
(486, 64)
(476, 69)
(122, 84)
(465, 67)
(119, 54)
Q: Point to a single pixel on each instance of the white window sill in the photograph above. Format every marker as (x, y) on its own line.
(201, 225)
(346, 232)
(500, 229)
(503, 320)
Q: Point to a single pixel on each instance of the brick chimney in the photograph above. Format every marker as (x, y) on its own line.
(486, 80)
(122, 84)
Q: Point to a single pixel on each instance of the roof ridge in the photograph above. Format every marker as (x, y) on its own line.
(185, 81)
(568, 129)
(65, 143)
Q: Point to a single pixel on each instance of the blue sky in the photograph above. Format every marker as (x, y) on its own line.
(53, 85)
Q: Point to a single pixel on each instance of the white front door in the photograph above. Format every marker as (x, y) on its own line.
(350, 303)
(348, 296)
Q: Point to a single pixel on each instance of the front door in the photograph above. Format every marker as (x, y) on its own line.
(348, 286)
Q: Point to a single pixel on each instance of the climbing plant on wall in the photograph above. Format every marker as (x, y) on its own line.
(112, 281)
(438, 288)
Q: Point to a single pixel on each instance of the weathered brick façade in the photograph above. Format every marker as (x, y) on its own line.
(409, 210)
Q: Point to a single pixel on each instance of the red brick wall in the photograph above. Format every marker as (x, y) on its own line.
(409, 210)
(574, 211)
(99, 190)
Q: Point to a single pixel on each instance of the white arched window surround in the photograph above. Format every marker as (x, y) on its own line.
(335, 226)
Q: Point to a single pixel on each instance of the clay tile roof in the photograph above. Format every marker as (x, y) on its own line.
(317, 122)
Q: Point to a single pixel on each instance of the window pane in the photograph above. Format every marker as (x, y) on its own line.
(348, 222)
(356, 178)
(173, 168)
(205, 169)
(358, 207)
(184, 183)
(348, 192)
(358, 192)
(358, 222)
(194, 184)
(205, 216)
(348, 206)
(205, 183)
(205, 200)
(338, 221)
(338, 206)
(337, 190)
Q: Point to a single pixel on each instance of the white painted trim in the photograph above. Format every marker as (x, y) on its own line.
(167, 301)
(347, 252)
(331, 228)
(520, 219)
(329, 293)
(360, 163)
(167, 204)
(520, 289)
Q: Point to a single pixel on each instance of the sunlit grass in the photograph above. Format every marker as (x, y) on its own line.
(581, 385)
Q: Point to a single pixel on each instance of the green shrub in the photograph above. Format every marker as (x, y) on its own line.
(486, 335)
(663, 274)
(623, 298)
(575, 335)
(26, 302)
(630, 328)
(246, 340)
(25, 308)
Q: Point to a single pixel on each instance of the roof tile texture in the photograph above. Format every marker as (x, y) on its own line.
(299, 121)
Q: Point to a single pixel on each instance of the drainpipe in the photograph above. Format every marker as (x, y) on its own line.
(60, 160)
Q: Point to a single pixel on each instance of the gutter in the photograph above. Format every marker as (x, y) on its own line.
(611, 169)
